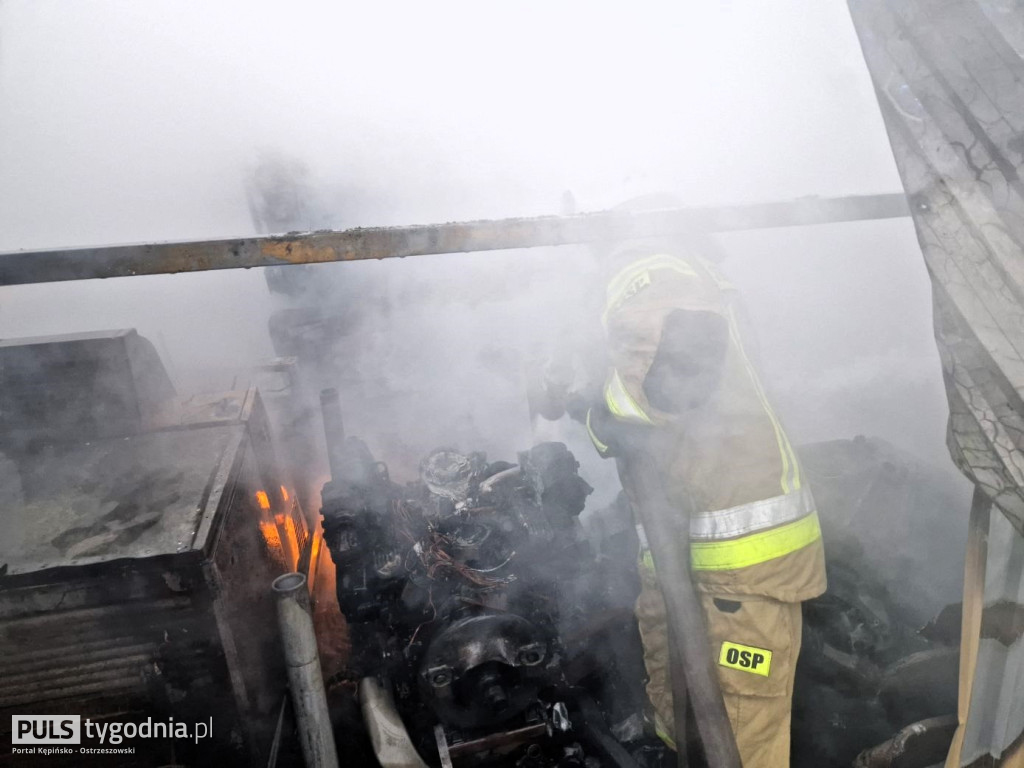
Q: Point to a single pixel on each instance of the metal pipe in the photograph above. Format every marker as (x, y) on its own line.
(21, 267)
(489, 484)
(668, 534)
(304, 676)
(334, 431)
(506, 739)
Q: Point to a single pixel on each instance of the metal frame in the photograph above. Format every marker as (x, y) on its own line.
(23, 267)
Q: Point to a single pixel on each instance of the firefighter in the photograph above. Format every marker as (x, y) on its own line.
(680, 375)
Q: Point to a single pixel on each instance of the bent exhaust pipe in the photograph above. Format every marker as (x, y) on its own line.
(305, 678)
(391, 743)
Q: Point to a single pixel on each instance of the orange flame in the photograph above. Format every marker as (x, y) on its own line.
(293, 538)
(284, 493)
(270, 535)
(263, 500)
(315, 554)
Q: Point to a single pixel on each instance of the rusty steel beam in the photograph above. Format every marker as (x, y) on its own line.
(21, 267)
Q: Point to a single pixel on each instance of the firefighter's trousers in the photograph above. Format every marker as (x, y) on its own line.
(757, 686)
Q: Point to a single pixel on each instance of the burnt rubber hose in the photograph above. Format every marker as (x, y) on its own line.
(596, 733)
(680, 697)
(668, 533)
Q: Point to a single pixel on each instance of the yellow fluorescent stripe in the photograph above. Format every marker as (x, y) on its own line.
(717, 277)
(797, 485)
(755, 548)
(611, 399)
(662, 734)
(626, 274)
(621, 403)
(620, 286)
(601, 447)
(783, 454)
(622, 282)
(633, 287)
(647, 561)
(789, 463)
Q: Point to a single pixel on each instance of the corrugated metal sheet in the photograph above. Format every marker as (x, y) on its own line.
(951, 90)
(949, 76)
(102, 652)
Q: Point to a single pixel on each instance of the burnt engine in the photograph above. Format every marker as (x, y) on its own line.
(468, 595)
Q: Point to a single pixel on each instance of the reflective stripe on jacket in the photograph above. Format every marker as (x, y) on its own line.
(749, 534)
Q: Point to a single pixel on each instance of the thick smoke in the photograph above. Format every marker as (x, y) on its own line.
(147, 123)
(126, 122)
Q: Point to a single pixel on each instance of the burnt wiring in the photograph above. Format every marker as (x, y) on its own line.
(436, 558)
(434, 551)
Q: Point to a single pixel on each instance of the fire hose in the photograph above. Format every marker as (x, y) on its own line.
(694, 677)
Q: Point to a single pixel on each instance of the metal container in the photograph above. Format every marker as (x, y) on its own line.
(133, 576)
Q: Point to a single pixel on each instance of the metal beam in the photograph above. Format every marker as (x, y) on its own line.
(21, 267)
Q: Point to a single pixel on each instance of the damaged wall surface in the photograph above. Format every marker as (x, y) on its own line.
(949, 76)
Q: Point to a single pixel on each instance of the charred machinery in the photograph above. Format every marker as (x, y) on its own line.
(465, 593)
(140, 533)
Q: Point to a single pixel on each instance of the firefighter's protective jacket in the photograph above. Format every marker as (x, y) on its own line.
(755, 529)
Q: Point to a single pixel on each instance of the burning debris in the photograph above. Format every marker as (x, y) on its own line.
(467, 597)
